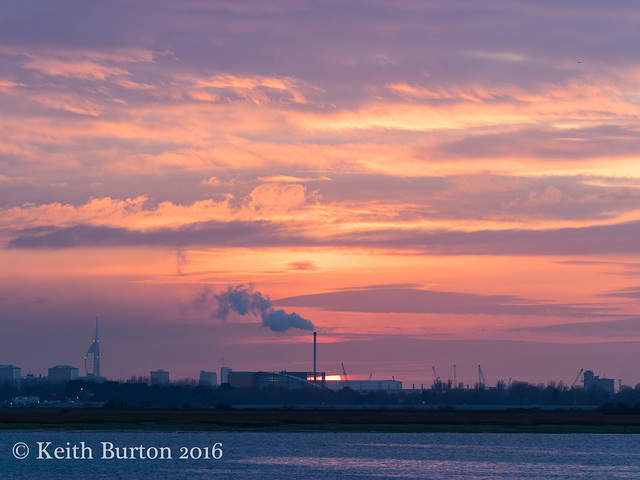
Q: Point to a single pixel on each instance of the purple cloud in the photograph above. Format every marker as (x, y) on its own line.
(606, 239)
(411, 300)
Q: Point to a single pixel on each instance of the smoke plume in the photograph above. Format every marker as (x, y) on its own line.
(243, 301)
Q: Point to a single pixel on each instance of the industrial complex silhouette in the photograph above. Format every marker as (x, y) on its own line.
(450, 392)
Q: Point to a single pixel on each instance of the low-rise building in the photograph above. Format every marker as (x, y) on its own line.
(62, 373)
(591, 380)
(366, 385)
(209, 379)
(159, 377)
(9, 373)
(288, 380)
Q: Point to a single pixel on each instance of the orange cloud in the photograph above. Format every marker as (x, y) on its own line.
(291, 179)
(132, 212)
(74, 69)
(6, 85)
(587, 100)
(200, 130)
(267, 201)
(276, 198)
(69, 102)
(255, 87)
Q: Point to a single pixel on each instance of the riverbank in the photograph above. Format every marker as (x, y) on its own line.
(322, 420)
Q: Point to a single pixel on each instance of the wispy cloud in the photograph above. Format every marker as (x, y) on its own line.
(411, 300)
(624, 328)
(83, 70)
(630, 292)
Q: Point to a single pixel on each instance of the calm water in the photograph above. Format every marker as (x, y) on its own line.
(256, 455)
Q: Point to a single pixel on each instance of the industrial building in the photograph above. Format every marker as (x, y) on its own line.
(366, 385)
(296, 380)
(591, 380)
(63, 373)
(209, 379)
(159, 377)
(287, 380)
(224, 375)
(9, 373)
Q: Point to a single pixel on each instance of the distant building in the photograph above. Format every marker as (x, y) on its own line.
(159, 377)
(208, 378)
(287, 380)
(591, 380)
(9, 373)
(224, 375)
(25, 400)
(62, 373)
(92, 358)
(366, 385)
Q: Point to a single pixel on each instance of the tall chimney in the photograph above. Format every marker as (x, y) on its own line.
(315, 335)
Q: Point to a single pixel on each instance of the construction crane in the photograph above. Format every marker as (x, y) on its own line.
(435, 375)
(481, 381)
(576, 379)
(370, 375)
(344, 372)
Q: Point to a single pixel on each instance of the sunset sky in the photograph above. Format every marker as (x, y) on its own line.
(427, 182)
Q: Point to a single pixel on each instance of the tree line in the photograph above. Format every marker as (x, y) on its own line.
(137, 393)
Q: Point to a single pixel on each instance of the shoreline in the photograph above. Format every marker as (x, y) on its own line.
(335, 420)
